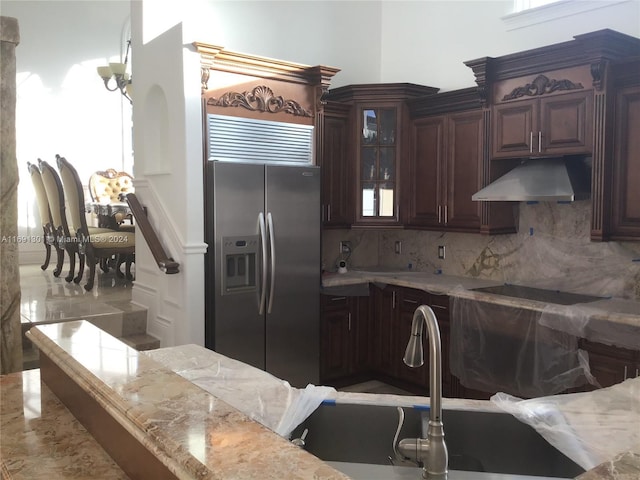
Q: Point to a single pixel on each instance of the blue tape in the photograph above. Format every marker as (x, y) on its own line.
(425, 408)
(329, 402)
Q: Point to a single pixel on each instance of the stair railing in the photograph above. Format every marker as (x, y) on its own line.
(165, 263)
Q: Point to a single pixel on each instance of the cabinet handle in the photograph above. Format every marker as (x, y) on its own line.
(440, 307)
(625, 372)
(393, 300)
(349, 321)
(531, 142)
(338, 299)
(328, 212)
(414, 302)
(439, 213)
(540, 142)
(446, 214)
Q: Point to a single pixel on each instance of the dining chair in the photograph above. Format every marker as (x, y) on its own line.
(49, 237)
(107, 187)
(94, 243)
(64, 236)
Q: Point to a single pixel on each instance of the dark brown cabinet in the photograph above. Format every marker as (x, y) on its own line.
(409, 300)
(377, 148)
(556, 125)
(625, 211)
(383, 351)
(610, 365)
(445, 171)
(344, 338)
(334, 157)
(393, 317)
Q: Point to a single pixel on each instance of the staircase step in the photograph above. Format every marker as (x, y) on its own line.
(141, 341)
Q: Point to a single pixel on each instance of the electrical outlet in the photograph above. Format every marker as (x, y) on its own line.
(398, 247)
(441, 252)
(345, 247)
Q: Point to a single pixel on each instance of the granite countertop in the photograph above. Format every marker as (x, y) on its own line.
(193, 433)
(613, 321)
(41, 439)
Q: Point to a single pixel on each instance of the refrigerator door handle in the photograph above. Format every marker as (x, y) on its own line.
(263, 242)
(272, 255)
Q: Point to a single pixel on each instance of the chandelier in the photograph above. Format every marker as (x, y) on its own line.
(118, 72)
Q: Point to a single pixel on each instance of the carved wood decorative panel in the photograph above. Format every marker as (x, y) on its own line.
(260, 99)
(542, 85)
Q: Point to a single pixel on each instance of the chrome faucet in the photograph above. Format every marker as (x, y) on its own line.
(430, 451)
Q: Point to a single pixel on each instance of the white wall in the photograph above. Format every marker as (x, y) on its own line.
(427, 42)
(342, 34)
(168, 151)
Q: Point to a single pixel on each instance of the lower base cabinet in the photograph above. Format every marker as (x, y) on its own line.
(364, 338)
(344, 337)
(610, 365)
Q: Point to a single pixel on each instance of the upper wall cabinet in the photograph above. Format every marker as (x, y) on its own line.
(625, 206)
(378, 138)
(447, 165)
(572, 98)
(555, 125)
(334, 156)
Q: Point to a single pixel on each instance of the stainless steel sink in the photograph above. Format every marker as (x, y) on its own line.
(539, 294)
(477, 441)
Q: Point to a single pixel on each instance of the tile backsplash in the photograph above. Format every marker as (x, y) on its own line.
(552, 249)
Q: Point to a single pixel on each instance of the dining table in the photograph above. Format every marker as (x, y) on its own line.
(107, 213)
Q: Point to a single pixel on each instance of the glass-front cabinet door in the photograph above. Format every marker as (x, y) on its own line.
(378, 162)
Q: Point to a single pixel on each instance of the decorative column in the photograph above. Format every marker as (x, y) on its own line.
(10, 329)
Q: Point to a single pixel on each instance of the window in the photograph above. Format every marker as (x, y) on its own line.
(522, 5)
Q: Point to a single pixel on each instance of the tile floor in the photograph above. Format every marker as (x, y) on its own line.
(49, 299)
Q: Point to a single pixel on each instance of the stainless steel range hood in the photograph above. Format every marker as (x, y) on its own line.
(563, 179)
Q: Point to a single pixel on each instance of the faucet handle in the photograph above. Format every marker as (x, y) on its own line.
(400, 459)
(299, 442)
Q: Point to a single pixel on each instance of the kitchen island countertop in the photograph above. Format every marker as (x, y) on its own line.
(192, 430)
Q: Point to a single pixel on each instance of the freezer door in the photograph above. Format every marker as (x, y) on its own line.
(239, 329)
(292, 326)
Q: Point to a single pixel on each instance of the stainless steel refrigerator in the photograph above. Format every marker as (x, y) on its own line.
(263, 266)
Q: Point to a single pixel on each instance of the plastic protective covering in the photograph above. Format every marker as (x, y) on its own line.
(502, 348)
(590, 428)
(259, 395)
(589, 320)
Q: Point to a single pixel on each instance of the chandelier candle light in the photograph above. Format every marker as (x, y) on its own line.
(118, 71)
